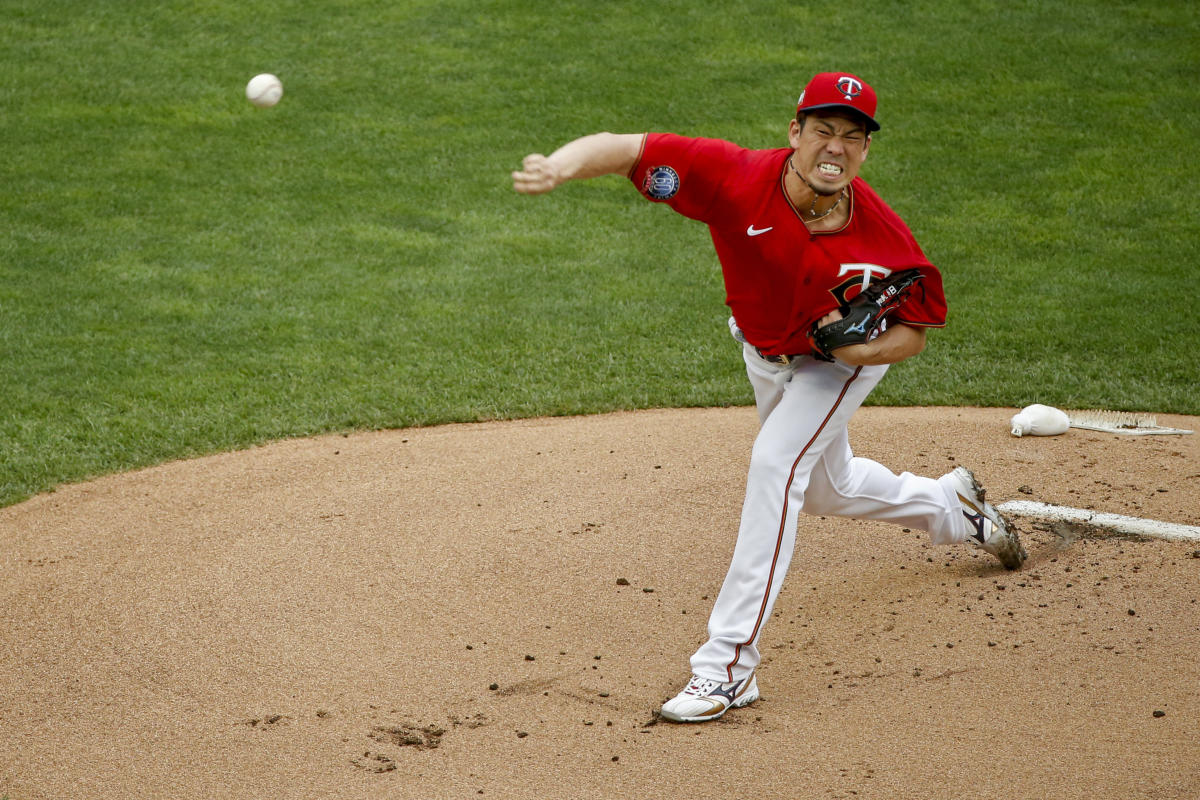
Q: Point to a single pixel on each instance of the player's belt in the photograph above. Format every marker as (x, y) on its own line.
(779, 359)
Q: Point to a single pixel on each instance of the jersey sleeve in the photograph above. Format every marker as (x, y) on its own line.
(684, 173)
(926, 305)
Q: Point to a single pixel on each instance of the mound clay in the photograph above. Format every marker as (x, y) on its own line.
(499, 609)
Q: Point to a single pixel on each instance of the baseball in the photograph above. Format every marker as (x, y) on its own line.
(264, 90)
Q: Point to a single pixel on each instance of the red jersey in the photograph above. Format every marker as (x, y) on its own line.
(780, 277)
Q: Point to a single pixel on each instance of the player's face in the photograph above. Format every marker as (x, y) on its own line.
(829, 149)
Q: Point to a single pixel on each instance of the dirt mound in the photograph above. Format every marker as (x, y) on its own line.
(499, 610)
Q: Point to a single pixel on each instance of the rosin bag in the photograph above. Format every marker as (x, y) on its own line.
(1040, 420)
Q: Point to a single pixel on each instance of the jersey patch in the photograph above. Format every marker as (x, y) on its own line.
(661, 183)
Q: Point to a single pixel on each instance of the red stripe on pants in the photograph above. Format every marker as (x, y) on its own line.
(787, 489)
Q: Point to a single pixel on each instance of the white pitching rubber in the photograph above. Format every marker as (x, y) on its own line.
(1129, 525)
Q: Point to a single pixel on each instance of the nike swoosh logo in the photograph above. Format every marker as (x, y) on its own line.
(752, 231)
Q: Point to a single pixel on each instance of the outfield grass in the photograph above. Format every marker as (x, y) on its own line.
(183, 273)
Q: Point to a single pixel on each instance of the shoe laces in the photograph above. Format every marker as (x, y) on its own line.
(700, 686)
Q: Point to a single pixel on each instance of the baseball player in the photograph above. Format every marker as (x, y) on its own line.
(827, 287)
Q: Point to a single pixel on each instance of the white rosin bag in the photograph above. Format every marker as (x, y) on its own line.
(1040, 420)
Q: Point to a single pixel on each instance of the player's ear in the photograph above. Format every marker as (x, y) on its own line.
(866, 146)
(795, 127)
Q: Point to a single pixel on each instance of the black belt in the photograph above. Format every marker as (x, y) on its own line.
(779, 359)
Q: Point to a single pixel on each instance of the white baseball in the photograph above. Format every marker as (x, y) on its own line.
(264, 90)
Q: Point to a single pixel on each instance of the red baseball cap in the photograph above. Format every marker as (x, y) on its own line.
(839, 90)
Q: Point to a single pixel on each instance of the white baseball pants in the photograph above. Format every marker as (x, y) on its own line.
(801, 461)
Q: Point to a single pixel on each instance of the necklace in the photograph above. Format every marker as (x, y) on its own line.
(812, 209)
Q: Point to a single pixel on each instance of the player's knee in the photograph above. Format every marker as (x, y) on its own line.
(826, 493)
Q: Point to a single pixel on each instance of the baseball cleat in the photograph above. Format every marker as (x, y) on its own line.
(703, 699)
(989, 530)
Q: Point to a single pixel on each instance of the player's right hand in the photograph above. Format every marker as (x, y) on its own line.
(538, 175)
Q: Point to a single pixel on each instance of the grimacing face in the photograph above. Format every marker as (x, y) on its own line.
(830, 147)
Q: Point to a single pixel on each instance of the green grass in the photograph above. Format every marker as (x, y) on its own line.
(182, 273)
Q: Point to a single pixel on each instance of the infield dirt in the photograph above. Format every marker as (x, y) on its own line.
(499, 609)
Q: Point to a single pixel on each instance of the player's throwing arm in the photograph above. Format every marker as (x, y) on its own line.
(587, 157)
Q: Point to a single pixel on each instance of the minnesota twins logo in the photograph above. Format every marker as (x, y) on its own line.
(661, 183)
(844, 291)
(850, 87)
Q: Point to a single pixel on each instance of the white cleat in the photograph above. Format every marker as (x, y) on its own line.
(703, 699)
(990, 531)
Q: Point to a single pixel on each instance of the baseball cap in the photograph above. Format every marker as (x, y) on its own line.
(839, 90)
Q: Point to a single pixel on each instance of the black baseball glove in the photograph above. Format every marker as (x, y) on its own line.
(863, 315)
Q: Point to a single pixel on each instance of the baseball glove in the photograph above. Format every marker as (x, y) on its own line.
(864, 314)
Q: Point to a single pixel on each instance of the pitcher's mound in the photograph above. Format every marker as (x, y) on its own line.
(499, 609)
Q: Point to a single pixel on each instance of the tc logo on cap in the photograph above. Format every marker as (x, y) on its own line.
(849, 87)
(839, 89)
